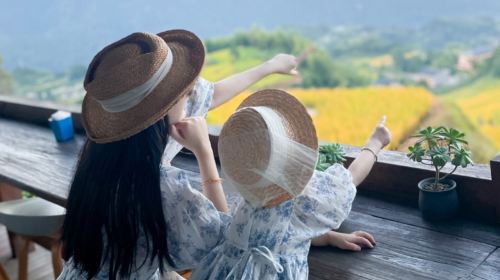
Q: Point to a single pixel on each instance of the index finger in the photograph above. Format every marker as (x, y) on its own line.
(382, 121)
(302, 56)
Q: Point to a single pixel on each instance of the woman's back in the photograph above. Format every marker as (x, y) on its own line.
(118, 215)
(193, 225)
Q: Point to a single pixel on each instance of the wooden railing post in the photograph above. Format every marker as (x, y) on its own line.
(495, 169)
(495, 180)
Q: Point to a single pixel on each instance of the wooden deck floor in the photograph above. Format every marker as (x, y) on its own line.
(40, 262)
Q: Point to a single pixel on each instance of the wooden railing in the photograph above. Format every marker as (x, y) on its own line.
(394, 176)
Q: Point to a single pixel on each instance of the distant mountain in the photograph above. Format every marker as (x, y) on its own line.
(58, 34)
(461, 33)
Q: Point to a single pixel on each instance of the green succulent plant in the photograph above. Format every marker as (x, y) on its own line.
(438, 146)
(329, 154)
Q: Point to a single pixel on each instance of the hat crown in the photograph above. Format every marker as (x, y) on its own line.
(261, 159)
(251, 143)
(124, 65)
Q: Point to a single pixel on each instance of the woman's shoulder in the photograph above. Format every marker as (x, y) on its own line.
(202, 84)
(172, 179)
(201, 98)
(169, 172)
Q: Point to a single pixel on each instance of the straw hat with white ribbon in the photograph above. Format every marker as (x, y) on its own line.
(268, 148)
(132, 83)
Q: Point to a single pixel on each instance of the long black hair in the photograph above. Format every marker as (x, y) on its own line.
(116, 192)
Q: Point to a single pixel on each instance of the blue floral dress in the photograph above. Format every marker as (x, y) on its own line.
(273, 243)
(194, 226)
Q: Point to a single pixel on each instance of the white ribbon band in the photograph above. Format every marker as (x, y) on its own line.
(130, 98)
(279, 145)
(254, 259)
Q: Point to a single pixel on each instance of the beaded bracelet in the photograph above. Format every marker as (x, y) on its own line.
(371, 151)
(212, 181)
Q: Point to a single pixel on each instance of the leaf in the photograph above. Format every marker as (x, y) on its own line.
(453, 136)
(322, 166)
(439, 156)
(462, 158)
(416, 152)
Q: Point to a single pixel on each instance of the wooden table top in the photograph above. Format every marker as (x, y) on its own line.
(32, 160)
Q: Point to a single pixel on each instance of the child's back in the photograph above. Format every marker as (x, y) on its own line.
(273, 243)
(268, 150)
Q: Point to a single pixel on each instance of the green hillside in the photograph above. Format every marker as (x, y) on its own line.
(242, 50)
(476, 108)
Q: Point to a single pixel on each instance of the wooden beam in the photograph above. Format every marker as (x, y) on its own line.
(36, 112)
(395, 175)
(495, 180)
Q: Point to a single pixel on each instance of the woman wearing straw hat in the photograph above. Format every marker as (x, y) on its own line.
(268, 150)
(129, 217)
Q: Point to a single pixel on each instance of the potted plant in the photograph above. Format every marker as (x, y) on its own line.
(436, 147)
(329, 154)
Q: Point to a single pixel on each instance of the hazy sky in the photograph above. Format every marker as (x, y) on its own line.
(215, 17)
(29, 29)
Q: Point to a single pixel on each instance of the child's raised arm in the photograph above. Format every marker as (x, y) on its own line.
(192, 133)
(233, 85)
(363, 163)
(359, 169)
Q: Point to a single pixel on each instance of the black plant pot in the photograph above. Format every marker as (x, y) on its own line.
(438, 205)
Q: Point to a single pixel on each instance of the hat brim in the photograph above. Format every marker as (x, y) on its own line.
(300, 129)
(188, 58)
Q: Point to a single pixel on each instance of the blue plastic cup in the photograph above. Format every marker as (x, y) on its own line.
(61, 124)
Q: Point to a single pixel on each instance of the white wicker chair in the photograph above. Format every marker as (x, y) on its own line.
(34, 220)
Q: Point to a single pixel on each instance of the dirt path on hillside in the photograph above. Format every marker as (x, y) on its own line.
(436, 115)
(446, 112)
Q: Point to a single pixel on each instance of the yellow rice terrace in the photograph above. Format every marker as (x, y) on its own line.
(348, 115)
(483, 110)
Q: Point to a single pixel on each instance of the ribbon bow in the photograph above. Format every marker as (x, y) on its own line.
(254, 259)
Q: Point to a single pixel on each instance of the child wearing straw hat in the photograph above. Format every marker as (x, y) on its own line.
(268, 150)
